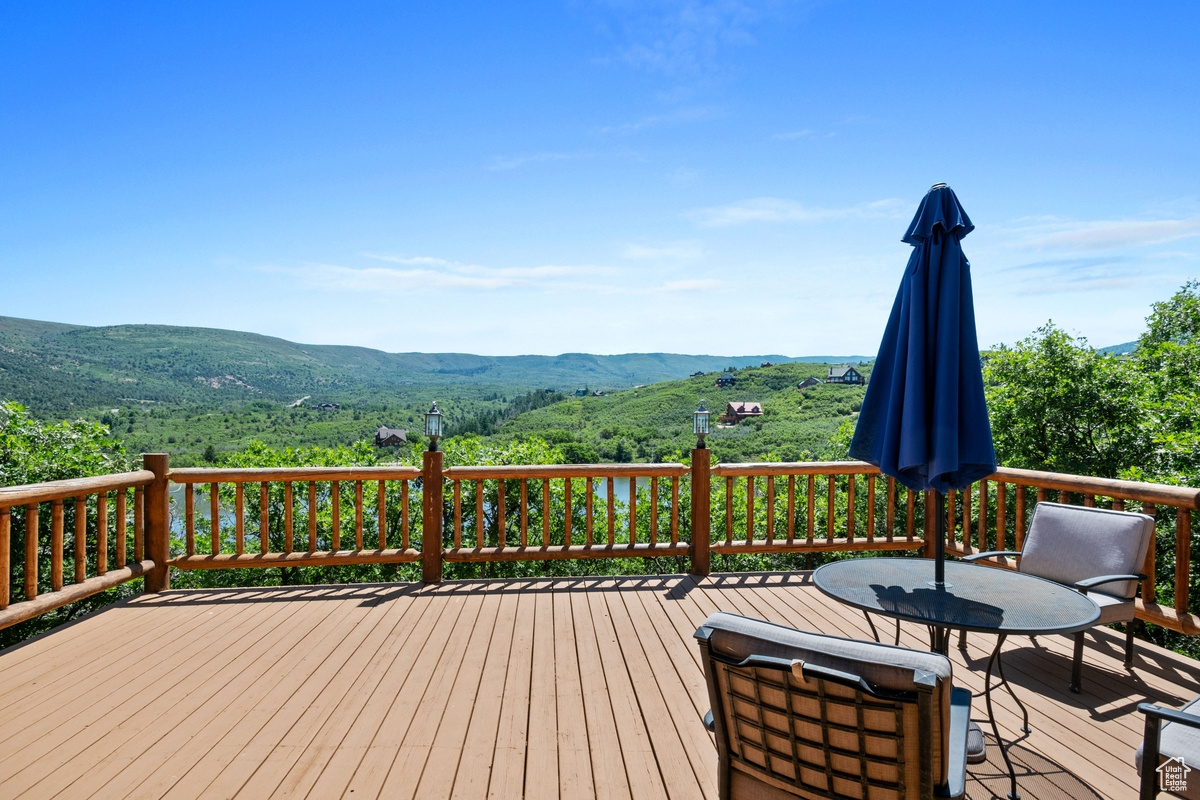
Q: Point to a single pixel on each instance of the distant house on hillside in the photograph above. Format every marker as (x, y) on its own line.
(725, 380)
(584, 392)
(738, 411)
(325, 407)
(390, 437)
(808, 383)
(766, 364)
(845, 375)
(696, 374)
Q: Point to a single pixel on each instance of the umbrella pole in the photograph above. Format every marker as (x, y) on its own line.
(939, 532)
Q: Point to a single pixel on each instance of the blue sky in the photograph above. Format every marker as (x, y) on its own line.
(724, 177)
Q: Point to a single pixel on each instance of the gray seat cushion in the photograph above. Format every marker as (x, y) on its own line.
(1113, 609)
(1067, 544)
(1180, 741)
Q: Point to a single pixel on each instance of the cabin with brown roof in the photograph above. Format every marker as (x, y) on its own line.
(737, 411)
(390, 437)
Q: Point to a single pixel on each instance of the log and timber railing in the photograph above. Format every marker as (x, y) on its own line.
(322, 516)
(301, 516)
(109, 529)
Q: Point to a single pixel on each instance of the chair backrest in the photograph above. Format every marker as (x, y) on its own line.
(1070, 543)
(785, 733)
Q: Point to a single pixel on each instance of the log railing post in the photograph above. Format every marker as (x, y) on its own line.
(930, 528)
(431, 518)
(701, 535)
(157, 522)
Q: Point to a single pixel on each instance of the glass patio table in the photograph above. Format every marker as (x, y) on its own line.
(974, 598)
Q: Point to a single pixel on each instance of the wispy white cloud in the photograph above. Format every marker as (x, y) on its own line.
(421, 274)
(681, 38)
(1103, 234)
(515, 162)
(680, 116)
(693, 285)
(792, 135)
(774, 209)
(680, 251)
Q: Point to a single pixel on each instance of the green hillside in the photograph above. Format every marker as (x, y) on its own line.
(654, 423)
(58, 369)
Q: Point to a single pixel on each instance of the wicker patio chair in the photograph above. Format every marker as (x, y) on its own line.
(1088, 548)
(803, 715)
(1172, 743)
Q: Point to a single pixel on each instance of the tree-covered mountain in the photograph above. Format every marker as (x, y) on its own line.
(58, 369)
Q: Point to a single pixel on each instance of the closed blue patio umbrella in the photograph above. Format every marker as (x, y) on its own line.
(924, 420)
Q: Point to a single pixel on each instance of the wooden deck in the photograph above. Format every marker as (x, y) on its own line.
(537, 688)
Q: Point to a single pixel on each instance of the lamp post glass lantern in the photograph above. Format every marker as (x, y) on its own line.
(700, 424)
(433, 426)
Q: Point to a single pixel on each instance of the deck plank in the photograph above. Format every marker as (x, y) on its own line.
(581, 687)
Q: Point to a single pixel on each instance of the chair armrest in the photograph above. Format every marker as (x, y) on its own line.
(1092, 583)
(991, 554)
(1170, 714)
(960, 721)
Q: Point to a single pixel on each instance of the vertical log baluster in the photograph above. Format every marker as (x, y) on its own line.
(5, 553)
(653, 509)
(381, 514)
(675, 510)
(1001, 514)
(545, 512)
(770, 509)
(102, 533)
(568, 512)
(121, 521)
(312, 516)
(480, 527)
(890, 513)
(1089, 501)
(1118, 504)
(239, 523)
(729, 510)
(632, 509)
(189, 518)
(981, 532)
(358, 515)
(831, 487)
(335, 515)
(501, 502)
(812, 508)
(791, 509)
(1064, 497)
(31, 551)
(588, 503)
(1019, 522)
(214, 519)
(870, 508)
(1041, 494)
(1183, 558)
(405, 517)
(910, 523)
(264, 517)
(139, 524)
(851, 483)
(749, 509)
(1149, 567)
(525, 513)
(80, 539)
(289, 531)
(612, 512)
(457, 514)
(951, 516)
(56, 546)
(966, 524)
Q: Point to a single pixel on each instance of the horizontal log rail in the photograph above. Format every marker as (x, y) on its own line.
(326, 516)
(295, 516)
(97, 526)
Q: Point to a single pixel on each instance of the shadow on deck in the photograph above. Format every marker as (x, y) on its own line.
(572, 687)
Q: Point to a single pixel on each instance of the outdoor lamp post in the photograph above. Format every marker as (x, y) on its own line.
(433, 426)
(700, 424)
